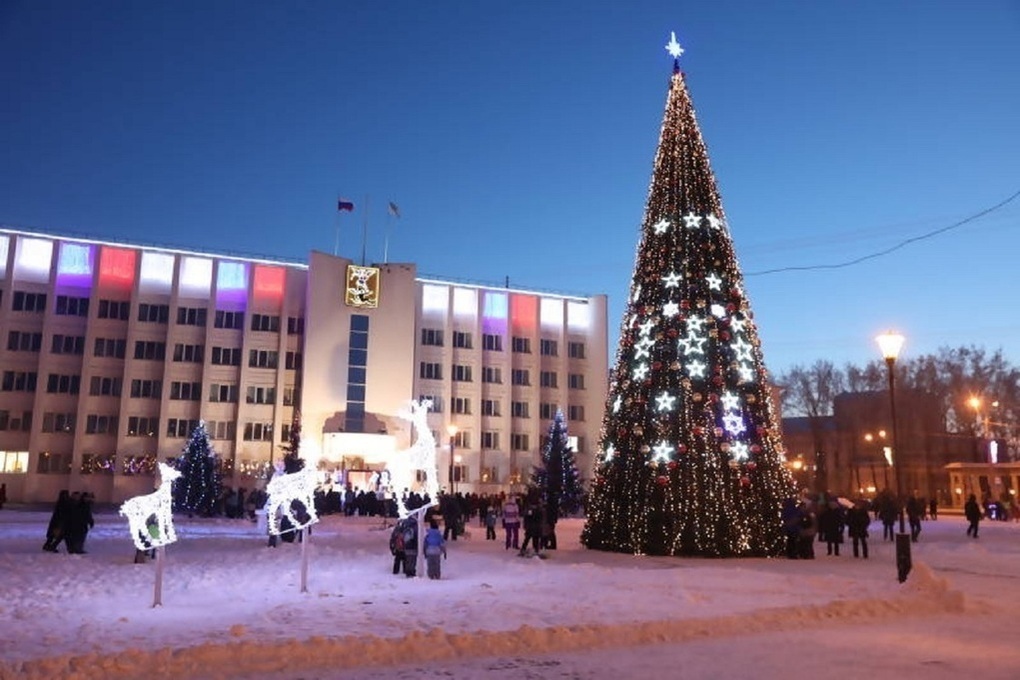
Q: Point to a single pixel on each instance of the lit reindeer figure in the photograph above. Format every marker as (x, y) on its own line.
(150, 516)
(421, 456)
(286, 491)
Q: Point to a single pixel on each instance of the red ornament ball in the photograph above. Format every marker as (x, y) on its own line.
(662, 480)
(672, 465)
(682, 448)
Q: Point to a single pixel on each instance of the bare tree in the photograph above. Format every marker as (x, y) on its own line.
(810, 392)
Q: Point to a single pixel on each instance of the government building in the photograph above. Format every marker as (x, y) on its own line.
(111, 354)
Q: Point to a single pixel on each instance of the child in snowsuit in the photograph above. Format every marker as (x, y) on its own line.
(435, 548)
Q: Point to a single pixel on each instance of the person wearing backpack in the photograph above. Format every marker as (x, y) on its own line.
(398, 546)
(435, 548)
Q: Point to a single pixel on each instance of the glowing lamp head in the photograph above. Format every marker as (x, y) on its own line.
(451, 430)
(975, 403)
(890, 343)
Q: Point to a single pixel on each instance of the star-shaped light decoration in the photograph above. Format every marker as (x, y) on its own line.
(696, 323)
(670, 309)
(665, 402)
(745, 372)
(692, 221)
(738, 324)
(692, 344)
(734, 423)
(696, 369)
(610, 452)
(617, 403)
(642, 346)
(671, 280)
(673, 47)
(730, 401)
(646, 328)
(739, 451)
(640, 372)
(713, 222)
(714, 281)
(742, 350)
(663, 452)
(661, 226)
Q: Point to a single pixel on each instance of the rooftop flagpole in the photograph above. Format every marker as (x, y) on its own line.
(392, 212)
(341, 206)
(364, 231)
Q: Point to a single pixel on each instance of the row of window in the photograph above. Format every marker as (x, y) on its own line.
(491, 374)
(518, 409)
(433, 337)
(67, 305)
(146, 426)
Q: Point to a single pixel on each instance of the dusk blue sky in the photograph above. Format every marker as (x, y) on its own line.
(518, 139)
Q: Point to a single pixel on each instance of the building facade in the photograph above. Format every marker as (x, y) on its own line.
(110, 354)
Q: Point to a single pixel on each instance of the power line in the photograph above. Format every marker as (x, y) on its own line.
(891, 249)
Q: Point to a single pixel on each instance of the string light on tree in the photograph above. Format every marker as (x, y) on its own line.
(700, 392)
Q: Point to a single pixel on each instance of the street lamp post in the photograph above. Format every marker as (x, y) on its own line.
(890, 344)
(451, 430)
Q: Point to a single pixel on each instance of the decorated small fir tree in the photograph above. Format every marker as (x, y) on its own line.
(557, 478)
(690, 459)
(199, 486)
(292, 461)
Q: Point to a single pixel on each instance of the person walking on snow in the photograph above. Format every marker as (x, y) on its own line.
(512, 523)
(972, 511)
(435, 548)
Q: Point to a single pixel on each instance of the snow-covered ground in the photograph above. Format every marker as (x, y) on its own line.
(233, 608)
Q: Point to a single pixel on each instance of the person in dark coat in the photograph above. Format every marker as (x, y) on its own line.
(808, 531)
(915, 508)
(830, 525)
(79, 522)
(857, 522)
(791, 517)
(398, 546)
(410, 547)
(972, 511)
(888, 513)
(450, 507)
(532, 528)
(58, 521)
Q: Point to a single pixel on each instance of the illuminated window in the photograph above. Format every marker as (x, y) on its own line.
(465, 302)
(157, 273)
(117, 267)
(74, 264)
(434, 299)
(552, 313)
(578, 316)
(32, 260)
(196, 277)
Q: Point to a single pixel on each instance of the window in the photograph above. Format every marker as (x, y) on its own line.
(291, 397)
(11, 422)
(490, 407)
(295, 325)
(23, 341)
(186, 391)
(109, 347)
(29, 302)
(258, 432)
(461, 373)
(97, 424)
(546, 411)
(194, 354)
(226, 356)
(294, 361)
(576, 381)
(521, 345)
(104, 387)
(520, 376)
(518, 441)
(54, 463)
(490, 440)
(68, 344)
(263, 358)
(58, 422)
(146, 389)
(63, 384)
(192, 316)
(179, 428)
(432, 337)
(261, 395)
(492, 343)
(14, 462)
(462, 440)
(575, 413)
(233, 320)
(223, 393)
(112, 309)
(460, 405)
(265, 322)
(461, 340)
(18, 381)
(547, 379)
(492, 374)
(490, 475)
(437, 403)
(221, 429)
(72, 306)
(575, 350)
(460, 473)
(429, 371)
(150, 350)
(143, 426)
(548, 348)
(519, 409)
(149, 313)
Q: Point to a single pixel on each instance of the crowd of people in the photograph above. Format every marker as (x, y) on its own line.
(70, 522)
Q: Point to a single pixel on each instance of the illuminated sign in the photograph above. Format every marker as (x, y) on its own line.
(362, 288)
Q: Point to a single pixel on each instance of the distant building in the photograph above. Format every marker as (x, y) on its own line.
(110, 354)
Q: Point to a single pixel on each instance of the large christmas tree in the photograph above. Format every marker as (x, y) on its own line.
(198, 488)
(690, 459)
(557, 478)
